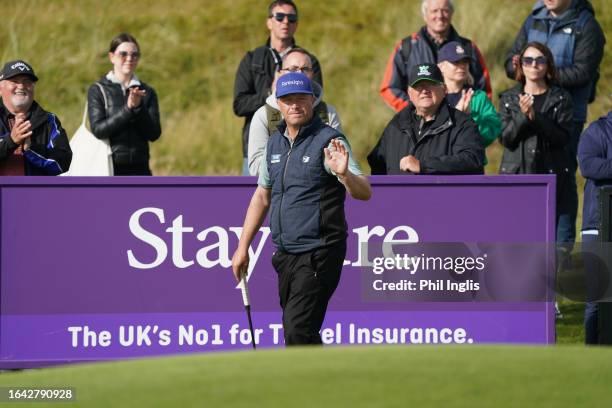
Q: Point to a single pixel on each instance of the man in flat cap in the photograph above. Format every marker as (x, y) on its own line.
(32, 140)
(428, 136)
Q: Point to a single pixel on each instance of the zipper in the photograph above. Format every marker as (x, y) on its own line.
(280, 207)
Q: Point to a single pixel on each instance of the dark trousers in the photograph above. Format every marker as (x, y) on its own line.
(566, 219)
(306, 282)
(139, 169)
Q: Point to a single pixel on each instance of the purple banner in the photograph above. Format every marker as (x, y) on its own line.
(95, 259)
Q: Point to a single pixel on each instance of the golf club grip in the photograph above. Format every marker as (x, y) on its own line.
(246, 299)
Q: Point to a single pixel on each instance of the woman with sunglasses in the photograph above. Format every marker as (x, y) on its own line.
(124, 110)
(536, 116)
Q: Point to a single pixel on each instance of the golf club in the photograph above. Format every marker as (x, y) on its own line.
(246, 299)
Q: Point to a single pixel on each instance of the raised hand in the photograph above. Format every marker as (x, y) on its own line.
(526, 105)
(337, 158)
(135, 97)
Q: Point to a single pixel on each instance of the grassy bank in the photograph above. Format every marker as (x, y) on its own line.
(191, 52)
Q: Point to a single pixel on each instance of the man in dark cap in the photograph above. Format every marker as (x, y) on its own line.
(32, 140)
(303, 180)
(428, 136)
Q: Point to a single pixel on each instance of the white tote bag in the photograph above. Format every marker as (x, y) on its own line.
(90, 156)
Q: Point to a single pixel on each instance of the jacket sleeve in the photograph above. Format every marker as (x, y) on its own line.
(482, 79)
(588, 53)
(103, 126)
(395, 82)
(55, 156)
(7, 146)
(246, 98)
(517, 46)
(592, 154)
(147, 117)
(467, 154)
(316, 71)
(258, 139)
(486, 118)
(334, 118)
(515, 125)
(376, 158)
(555, 129)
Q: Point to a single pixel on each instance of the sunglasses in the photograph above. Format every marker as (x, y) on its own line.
(541, 60)
(280, 17)
(124, 54)
(297, 69)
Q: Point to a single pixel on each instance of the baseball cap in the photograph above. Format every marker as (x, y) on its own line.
(18, 67)
(453, 52)
(425, 72)
(293, 83)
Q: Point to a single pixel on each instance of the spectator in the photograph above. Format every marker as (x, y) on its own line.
(32, 140)
(428, 136)
(267, 118)
(576, 41)
(595, 158)
(124, 110)
(536, 116)
(257, 69)
(454, 63)
(422, 47)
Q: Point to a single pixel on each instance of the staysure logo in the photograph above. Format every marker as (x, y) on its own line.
(216, 251)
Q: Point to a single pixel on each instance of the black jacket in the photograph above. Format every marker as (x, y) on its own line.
(49, 153)
(450, 145)
(538, 146)
(253, 81)
(588, 49)
(129, 130)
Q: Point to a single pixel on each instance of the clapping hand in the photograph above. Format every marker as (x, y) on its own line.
(526, 105)
(464, 102)
(22, 131)
(135, 97)
(337, 158)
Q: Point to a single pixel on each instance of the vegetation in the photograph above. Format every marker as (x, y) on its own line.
(191, 51)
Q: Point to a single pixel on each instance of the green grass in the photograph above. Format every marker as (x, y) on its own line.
(475, 376)
(191, 51)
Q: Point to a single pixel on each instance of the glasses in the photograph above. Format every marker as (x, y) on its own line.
(303, 70)
(124, 54)
(528, 61)
(280, 17)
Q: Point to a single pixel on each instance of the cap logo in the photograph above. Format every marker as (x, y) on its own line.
(20, 66)
(459, 50)
(292, 82)
(424, 70)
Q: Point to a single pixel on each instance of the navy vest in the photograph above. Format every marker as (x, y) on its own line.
(307, 204)
(560, 38)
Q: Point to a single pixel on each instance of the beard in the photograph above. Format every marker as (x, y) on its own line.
(21, 101)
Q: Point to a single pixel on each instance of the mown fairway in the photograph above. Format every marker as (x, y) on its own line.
(475, 376)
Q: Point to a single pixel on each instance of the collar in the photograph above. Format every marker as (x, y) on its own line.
(133, 82)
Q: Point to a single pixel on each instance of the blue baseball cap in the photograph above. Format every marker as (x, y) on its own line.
(453, 52)
(293, 83)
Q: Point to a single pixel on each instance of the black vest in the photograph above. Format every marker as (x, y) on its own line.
(307, 205)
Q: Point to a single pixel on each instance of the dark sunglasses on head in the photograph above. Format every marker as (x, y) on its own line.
(124, 54)
(541, 60)
(281, 16)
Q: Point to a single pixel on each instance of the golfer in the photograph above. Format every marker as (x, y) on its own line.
(307, 170)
